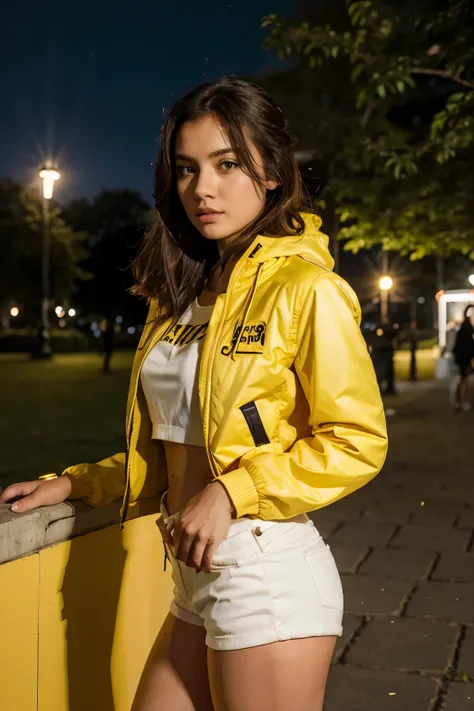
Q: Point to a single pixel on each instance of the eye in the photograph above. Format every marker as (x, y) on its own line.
(183, 171)
(228, 165)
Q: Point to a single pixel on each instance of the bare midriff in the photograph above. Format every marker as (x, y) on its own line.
(188, 473)
(188, 466)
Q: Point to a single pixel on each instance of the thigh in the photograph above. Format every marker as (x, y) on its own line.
(175, 677)
(273, 677)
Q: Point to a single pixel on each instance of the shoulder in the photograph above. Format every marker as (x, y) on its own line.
(310, 280)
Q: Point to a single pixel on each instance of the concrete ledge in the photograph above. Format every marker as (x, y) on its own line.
(25, 533)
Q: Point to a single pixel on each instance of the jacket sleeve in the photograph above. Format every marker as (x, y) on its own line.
(98, 484)
(348, 445)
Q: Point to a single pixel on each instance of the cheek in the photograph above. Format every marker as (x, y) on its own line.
(184, 194)
(248, 197)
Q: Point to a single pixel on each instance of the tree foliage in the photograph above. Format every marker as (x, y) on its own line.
(384, 93)
(114, 221)
(21, 243)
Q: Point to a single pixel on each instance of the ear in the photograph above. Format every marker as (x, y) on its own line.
(271, 184)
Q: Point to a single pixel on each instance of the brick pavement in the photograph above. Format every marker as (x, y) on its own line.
(404, 547)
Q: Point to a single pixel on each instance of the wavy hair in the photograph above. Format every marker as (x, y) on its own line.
(174, 259)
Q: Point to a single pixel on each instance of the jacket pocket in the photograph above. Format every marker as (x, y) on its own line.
(255, 424)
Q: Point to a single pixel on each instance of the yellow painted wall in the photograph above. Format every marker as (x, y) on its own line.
(79, 618)
(19, 634)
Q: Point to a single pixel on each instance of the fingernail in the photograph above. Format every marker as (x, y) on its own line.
(15, 507)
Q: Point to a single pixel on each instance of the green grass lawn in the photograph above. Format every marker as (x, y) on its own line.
(59, 413)
(66, 411)
(425, 360)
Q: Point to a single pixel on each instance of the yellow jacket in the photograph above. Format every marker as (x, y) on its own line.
(291, 411)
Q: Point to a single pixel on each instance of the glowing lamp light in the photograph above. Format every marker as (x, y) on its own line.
(49, 176)
(71, 312)
(59, 311)
(386, 283)
(14, 311)
(471, 279)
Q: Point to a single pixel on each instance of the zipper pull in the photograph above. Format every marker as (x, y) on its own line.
(254, 251)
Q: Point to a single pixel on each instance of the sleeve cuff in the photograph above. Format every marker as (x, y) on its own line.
(81, 483)
(242, 492)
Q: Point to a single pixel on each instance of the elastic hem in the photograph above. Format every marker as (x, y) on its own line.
(82, 486)
(242, 491)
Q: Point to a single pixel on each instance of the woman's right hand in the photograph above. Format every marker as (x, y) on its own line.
(40, 492)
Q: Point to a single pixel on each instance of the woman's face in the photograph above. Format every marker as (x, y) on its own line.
(219, 198)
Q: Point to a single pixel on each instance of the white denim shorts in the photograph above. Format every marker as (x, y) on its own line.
(270, 581)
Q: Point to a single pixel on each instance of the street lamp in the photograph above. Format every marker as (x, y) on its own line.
(43, 338)
(385, 284)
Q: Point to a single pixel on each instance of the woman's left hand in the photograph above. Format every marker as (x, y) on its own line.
(201, 526)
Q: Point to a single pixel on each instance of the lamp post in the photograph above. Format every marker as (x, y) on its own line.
(385, 284)
(43, 338)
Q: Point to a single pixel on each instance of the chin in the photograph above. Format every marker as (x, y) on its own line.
(214, 232)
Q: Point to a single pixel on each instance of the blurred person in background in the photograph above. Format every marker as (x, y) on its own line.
(463, 352)
(107, 342)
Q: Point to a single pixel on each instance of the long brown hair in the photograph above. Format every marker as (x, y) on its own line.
(175, 259)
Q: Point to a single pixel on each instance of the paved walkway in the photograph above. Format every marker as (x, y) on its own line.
(404, 545)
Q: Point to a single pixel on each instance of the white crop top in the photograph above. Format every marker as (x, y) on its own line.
(169, 378)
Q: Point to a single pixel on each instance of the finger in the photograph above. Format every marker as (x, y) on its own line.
(208, 556)
(177, 532)
(29, 502)
(23, 488)
(196, 552)
(183, 547)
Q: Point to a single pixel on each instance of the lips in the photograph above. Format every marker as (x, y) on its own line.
(208, 211)
(208, 215)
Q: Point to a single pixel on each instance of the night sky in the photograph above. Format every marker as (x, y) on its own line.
(88, 81)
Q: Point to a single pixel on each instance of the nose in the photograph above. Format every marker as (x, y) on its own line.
(205, 184)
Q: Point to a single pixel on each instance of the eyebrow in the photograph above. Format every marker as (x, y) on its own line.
(214, 154)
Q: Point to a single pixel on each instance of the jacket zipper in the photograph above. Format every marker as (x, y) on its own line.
(211, 361)
(209, 373)
(126, 496)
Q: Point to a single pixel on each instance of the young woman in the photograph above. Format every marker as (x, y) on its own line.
(463, 356)
(252, 402)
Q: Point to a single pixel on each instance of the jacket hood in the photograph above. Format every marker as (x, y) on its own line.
(312, 245)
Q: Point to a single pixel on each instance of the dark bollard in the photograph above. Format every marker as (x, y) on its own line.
(413, 371)
(381, 343)
(390, 372)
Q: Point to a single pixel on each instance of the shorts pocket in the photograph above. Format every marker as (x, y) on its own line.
(233, 556)
(223, 563)
(326, 577)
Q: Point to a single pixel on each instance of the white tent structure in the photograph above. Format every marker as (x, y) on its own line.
(451, 306)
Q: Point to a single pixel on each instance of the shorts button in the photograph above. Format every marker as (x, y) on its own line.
(257, 530)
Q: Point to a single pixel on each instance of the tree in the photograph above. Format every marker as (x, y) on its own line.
(21, 235)
(114, 221)
(384, 96)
